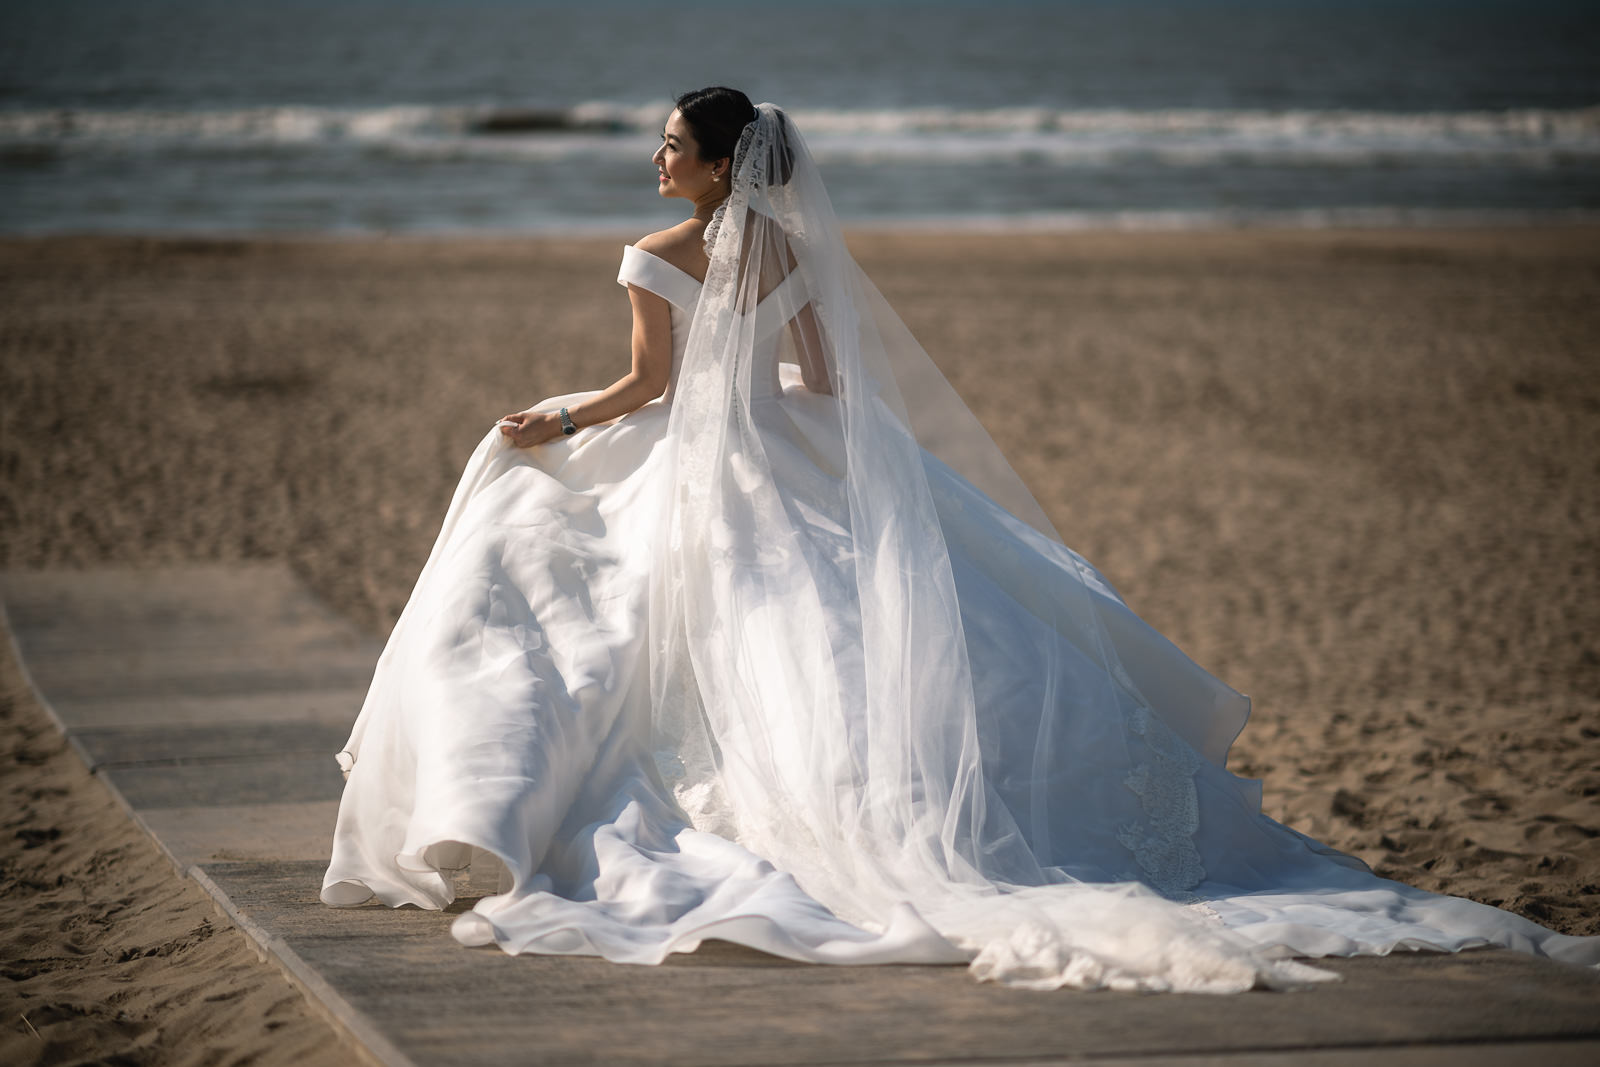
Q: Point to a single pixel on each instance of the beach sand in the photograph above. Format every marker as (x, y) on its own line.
(108, 955)
(1355, 474)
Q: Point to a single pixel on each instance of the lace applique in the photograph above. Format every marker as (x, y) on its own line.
(707, 808)
(1033, 956)
(1164, 785)
(714, 227)
(1164, 845)
(757, 172)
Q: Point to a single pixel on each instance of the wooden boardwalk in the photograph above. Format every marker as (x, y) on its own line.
(210, 700)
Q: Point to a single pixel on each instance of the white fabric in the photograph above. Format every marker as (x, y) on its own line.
(765, 664)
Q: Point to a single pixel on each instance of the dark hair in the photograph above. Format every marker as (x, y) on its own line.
(717, 116)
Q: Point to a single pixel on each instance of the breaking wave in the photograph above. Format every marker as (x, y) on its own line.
(1171, 137)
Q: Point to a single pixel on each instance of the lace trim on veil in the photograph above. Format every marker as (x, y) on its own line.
(757, 170)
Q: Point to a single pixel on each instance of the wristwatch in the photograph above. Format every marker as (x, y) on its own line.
(568, 427)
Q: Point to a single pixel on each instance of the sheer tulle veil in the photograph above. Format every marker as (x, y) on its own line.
(845, 736)
(808, 605)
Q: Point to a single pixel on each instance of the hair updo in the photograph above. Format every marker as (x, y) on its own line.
(717, 116)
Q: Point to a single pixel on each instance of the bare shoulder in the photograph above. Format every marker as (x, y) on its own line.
(682, 245)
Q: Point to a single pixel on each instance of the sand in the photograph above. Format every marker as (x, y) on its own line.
(108, 955)
(1355, 474)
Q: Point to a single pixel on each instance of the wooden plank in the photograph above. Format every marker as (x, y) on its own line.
(296, 778)
(212, 699)
(231, 832)
(145, 605)
(727, 1005)
(118, 746)
(147, 675)
(336, 706)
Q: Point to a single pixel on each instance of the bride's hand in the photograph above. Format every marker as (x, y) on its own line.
(528, 428)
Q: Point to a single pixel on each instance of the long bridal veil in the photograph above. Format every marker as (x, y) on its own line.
(813, 640)
(808, 606)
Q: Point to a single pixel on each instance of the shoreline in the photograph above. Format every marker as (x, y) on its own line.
(1048, 224)
(1351, 472)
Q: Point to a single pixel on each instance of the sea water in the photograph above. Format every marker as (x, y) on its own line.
(529, 116)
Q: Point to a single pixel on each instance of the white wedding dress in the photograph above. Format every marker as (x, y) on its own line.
(659, 719)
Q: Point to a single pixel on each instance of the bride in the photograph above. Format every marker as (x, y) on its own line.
(765, 642)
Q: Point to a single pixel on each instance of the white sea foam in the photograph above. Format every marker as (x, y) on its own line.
(436, 169)
(269, 125)
(1175, 138)
(1370, 217)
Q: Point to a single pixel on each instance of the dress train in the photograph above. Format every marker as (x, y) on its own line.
(509, 721)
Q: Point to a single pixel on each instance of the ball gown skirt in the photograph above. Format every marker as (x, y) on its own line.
(509, 722)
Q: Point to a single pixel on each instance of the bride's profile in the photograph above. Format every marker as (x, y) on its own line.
(766, 642)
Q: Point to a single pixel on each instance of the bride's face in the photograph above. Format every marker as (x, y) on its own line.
(682, 171)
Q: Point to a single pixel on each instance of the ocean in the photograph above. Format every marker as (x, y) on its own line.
(523, 116)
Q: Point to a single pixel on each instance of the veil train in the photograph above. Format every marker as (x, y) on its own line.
(796, 660)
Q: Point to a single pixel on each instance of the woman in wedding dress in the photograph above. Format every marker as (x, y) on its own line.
(766, 642)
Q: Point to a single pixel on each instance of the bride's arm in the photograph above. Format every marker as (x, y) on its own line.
(652, 368)
(652, 363)
(807, 333)
(808, 342)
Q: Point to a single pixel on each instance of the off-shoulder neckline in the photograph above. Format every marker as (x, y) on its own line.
(673, 266)
(791, 281)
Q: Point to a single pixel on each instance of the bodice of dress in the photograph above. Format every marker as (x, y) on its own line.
(680, 289)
